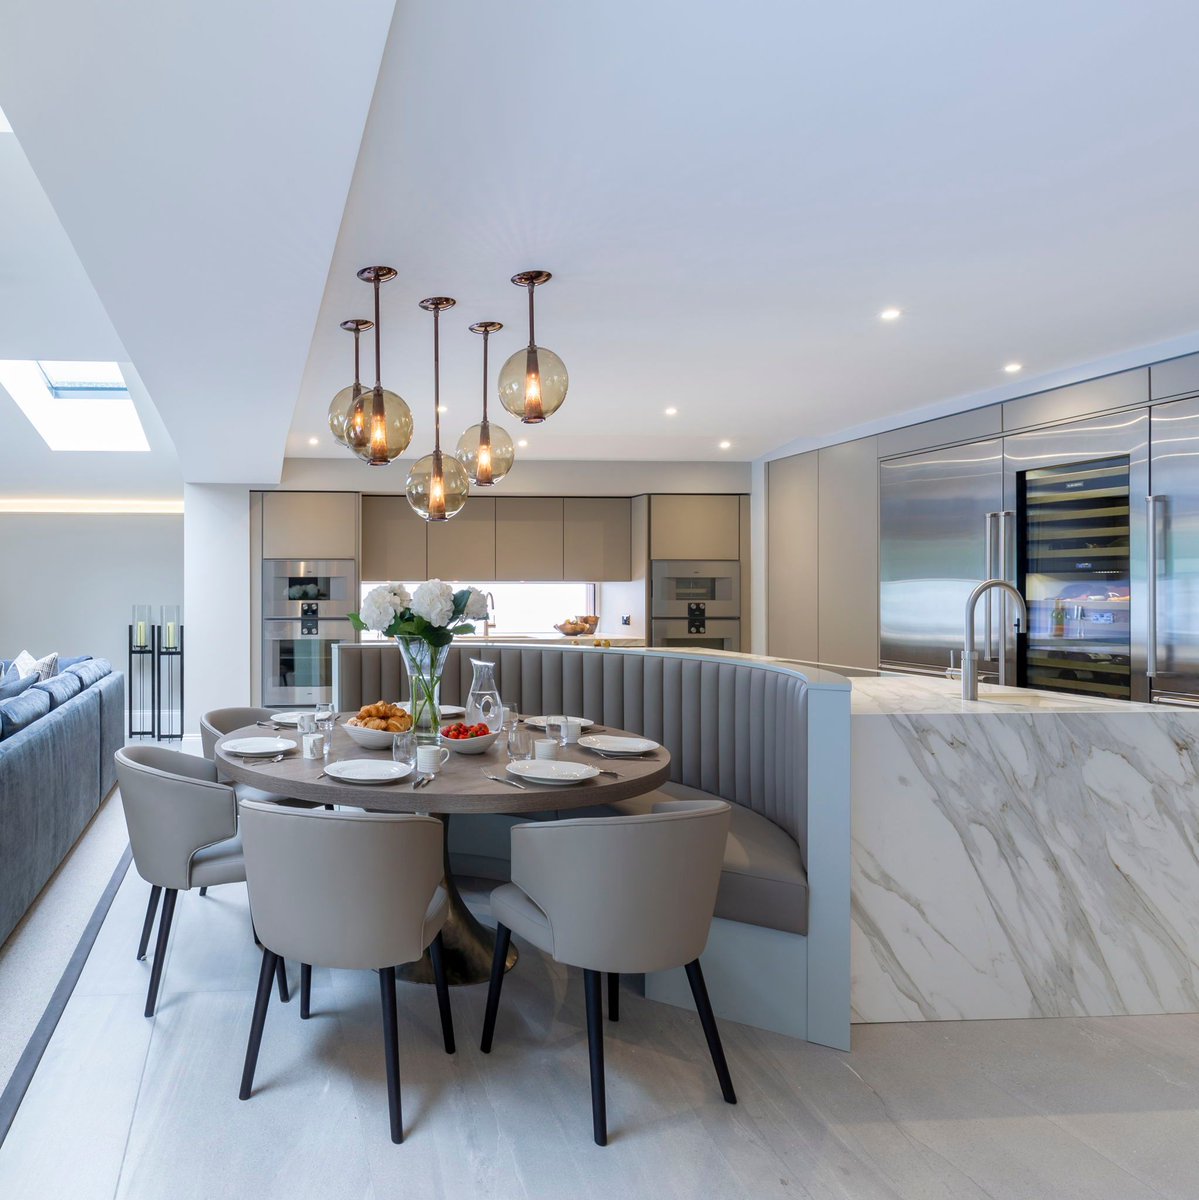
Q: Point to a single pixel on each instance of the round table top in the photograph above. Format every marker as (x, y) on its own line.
(461, 786)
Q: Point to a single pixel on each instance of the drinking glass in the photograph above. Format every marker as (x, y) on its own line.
(520, 742)
(325, 718)
(403, 748)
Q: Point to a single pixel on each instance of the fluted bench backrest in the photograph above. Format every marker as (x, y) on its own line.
(737, 729)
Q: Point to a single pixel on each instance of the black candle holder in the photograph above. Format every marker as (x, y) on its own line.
(142, 677)
(168, 641)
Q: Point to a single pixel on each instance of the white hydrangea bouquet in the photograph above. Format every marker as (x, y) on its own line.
(424, 624)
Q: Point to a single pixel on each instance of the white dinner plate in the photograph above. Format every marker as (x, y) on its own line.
(367, 770)
(451, 710)
(287, 718)
(549, 770)
(608, 743)
(539, 722)
(258, 747)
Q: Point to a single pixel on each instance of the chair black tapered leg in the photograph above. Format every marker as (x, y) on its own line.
(699, 990)
(391, 1051)
(266, 977)
(443, 993)
(305, 991)
(203, 891)
(281, 976)
(613, 996)
(595, 1044)
(160, 948)
(148, 924)
(503, 935)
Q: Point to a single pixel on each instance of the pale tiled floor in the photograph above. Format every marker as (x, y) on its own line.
(128, 1107)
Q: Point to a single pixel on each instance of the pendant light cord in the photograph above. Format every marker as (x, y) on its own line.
(378, 334)
(357, 371)
(532, 339)
(436, 381)
(486, 335)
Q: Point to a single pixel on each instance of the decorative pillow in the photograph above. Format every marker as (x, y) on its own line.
(61, 688)
(22, 710)
(64, 663)
(45, 667)
(91, 671)
(13, 685)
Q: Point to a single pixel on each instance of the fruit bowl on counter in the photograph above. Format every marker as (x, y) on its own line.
(576, 626)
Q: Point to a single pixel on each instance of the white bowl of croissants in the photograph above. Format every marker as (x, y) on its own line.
(375, 725)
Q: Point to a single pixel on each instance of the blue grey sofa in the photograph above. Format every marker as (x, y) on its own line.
(57, 741)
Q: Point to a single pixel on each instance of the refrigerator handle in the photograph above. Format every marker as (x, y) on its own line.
(1003, 599)
(989, 642)
(1151, 587)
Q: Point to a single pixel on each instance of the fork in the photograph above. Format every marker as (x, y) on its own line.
(501, 779)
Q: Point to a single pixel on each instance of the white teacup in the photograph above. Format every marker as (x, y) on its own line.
(430, 759)
(545, 748)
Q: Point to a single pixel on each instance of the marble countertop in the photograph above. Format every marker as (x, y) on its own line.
(897, 695)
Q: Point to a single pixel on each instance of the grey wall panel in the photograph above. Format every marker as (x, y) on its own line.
(1078, 400)
(792, 499)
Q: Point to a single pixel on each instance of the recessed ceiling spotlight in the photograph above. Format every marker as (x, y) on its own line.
(523, 442)
(672, 411)
(1012, 368)
(314, 441)
(726, 444)
(890, 314)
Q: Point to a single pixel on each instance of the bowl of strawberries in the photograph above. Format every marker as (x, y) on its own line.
(462, 738)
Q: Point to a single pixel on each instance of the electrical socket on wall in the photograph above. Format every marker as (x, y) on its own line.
(626, 619)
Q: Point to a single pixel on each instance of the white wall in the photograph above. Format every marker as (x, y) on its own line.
(216, 545)
(68, 581)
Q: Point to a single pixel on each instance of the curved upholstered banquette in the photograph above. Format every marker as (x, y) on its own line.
(737, 727)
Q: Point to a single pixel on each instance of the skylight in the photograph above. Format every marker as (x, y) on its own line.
(75, 406)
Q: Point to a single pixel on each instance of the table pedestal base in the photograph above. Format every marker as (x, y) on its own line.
(468, 944)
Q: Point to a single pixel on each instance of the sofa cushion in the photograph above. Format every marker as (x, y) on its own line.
(22, 710)
(60, 688)
(762, 882)
(43, 668)
(11, 684)
(91, 671)
(64, 663)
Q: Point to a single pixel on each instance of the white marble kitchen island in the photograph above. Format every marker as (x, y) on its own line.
(1026, 854)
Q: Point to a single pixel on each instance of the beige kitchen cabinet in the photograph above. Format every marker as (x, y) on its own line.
(847, 567)
(699, 527)
(792, 550)
(310, 525)
(528, 537)
(462, 549)
(597, 538)
(393, 540)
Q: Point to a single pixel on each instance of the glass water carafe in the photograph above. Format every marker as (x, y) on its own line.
(483, 703)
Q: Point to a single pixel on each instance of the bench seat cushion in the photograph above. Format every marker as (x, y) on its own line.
(763, 881)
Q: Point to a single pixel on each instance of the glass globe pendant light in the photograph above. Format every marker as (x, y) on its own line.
(339, 408)
(437, 486)
(533, 381)
(486, 450)
(379, 427)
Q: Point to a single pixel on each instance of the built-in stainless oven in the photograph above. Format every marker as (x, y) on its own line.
(696, 634)
(297, 659)
(300, 588)
(688, 588)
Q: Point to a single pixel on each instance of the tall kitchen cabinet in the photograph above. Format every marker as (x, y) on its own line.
(695, 527)
(822, 555)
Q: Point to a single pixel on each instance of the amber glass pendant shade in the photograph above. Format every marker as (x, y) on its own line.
(437, 486)
(486, 450)
(339, 408)
(379, 428)
(533, 382)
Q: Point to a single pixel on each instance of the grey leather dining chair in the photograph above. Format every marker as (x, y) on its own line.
(182, 827)
(356, 890)
(620, 895)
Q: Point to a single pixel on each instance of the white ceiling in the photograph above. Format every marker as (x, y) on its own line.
(727, 196)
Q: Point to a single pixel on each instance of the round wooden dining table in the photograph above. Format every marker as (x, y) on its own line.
(461, 786)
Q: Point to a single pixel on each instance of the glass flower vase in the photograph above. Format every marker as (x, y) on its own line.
(423, 665)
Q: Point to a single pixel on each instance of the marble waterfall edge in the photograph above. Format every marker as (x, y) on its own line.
(1023, 864)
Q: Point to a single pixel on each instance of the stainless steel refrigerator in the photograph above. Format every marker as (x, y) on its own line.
(1061, 512)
